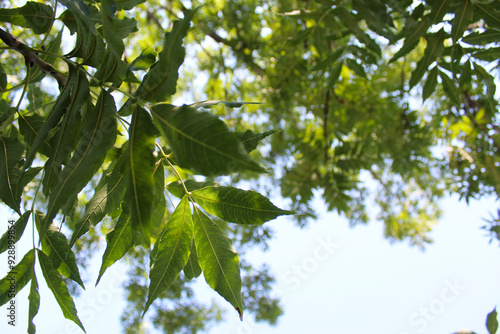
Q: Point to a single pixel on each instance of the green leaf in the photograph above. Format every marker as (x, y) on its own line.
(19, 275)
(487, 78)
(11, 152)
(29, 127)
(127, 4)
(192, 268)
(433, 50)
(350, 22)
(355, 67)
(140, 167)
(115, 29)
(59, 289)
(250, 139)
(81, 13)
(439, 10)
(430, 83)
(3, 79)
(334, 75)
(218, 260)
(65, 139)
(329, 60)
(490, 54)
(118, 241)
(107, 197)
(176, 188)
(98, 137)
(159, 201)
(374, 18)
(144, 61)
(34, 15)
(201, 142)
(172, 251)
(450, 88)
(412, 37)
(463, 18)
(492, 322)
(14, 232)
(34, 303)
(237, 206)
(55, 245)
(483, 38)
(112, 69)
(210, 103)
(55, 115)
(161, 80)
(6, 114)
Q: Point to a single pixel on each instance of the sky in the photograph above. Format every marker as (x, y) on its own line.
(330, 278)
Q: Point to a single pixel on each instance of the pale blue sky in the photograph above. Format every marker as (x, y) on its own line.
(334, 279)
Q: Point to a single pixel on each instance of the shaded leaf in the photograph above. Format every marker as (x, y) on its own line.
(250, 139)
(450, 88)
(34, 15)
(19, 275)
(463, 18)
(237, 206)
(14, 232)
(59, 289)
(118, 241)
(201, 142)
(34, 303)
(211, 103)
(107, 197)
(192, 268)
(355, 67)
(490, 54)
(161, 80)
(433, 50)
(29, 127)
(98, 136)
(65, 139)
(412, 37)
(127, 4)
(350, 22)
(334, 75)
(218, 259)
(140, 167)
(492, 321)
(112, 69)
(115, 29)
(11, 152)
(159, 201)
(487, 78)
(430, 83)
(483, 38)
(53, 48)
(172, 251)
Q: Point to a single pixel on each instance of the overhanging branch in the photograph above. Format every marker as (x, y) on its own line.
(31, 57)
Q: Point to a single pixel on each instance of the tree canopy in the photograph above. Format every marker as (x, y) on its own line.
(145, 121)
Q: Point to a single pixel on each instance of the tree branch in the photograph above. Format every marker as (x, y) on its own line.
(31, 57)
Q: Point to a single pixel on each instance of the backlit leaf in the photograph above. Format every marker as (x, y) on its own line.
(118, 241)
(218, 259)
(14, 232)
(430, 83)
(450, 88)
(161, 80)
(237, 206)
(433, 50)
(250, 139)
(19, 275)
(59, 289)
(34, 303)
(107, 197)
(172, 251)
(192, 268)
(201, 142)
(115, 29)
(177, 189)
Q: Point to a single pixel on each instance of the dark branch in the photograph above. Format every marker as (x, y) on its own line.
(31, 57)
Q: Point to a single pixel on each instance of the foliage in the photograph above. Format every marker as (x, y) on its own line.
(82, 135)
(338, 80)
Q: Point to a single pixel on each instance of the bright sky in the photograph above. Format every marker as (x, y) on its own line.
(335, 279)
